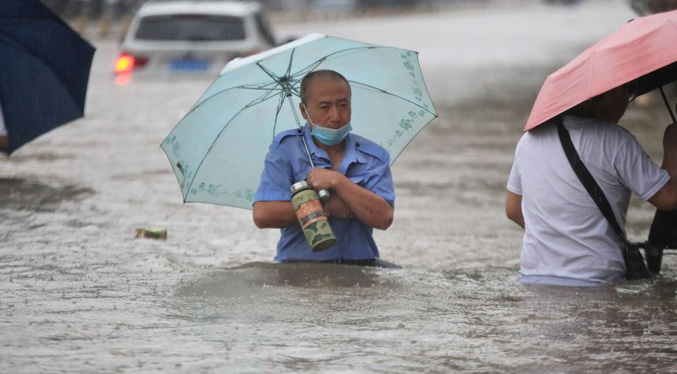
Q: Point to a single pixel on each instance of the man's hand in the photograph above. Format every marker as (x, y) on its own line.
(670, 137)
(365, 205)
(323, 179)
(666, 197)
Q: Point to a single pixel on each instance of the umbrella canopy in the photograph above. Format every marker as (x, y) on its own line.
(44, 71)
(642, 50)
(218, 149)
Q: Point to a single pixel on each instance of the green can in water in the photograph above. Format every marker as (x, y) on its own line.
(312, 217)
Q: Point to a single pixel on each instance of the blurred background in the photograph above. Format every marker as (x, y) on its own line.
(113, 16)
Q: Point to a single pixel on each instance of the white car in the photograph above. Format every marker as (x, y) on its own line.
(192, 37)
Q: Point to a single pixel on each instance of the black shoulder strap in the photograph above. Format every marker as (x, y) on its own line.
(587, 179)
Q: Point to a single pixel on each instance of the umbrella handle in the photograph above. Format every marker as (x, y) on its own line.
(323, 195)
(665, 100)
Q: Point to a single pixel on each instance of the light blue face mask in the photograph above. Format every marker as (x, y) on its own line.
(329, 136)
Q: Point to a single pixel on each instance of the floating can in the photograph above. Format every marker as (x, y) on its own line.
(151, 233)
(312, 217)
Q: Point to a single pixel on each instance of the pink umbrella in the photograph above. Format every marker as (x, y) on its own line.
(644, 49)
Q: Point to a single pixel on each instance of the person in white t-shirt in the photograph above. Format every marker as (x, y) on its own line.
(567, 241)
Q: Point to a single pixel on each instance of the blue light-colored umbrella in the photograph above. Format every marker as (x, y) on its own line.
(218, 149)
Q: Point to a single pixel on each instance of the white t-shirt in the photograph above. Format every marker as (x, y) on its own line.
(567, 240)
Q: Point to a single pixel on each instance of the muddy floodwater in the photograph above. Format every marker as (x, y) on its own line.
(80, 294)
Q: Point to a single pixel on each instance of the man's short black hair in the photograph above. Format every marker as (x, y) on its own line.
(305, 82)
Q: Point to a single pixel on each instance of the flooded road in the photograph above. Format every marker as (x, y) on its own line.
(79, 294)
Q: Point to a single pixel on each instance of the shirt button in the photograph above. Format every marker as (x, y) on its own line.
(357, 144)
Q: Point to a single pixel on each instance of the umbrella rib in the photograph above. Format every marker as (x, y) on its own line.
(279, 81)
(394, 95)
(287, 79)
(351, 50)
(257, 101)
(319, 62)
(315, 64)
(259, 87)
(277, 113)
(295, 82)
(246, 87)
(286, 82)
(291, 61)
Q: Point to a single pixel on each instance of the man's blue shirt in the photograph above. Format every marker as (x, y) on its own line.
(364, 162)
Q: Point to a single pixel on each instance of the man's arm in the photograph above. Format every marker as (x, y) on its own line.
(513, 208)
(273, 208)
(367, 206)
(666, 197)
(336, 207)
(274, 214)
(279, 214)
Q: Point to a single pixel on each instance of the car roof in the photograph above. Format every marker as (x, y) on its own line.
(198, 7)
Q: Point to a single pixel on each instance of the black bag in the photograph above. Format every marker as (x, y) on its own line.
(662, 236)
(635, 267)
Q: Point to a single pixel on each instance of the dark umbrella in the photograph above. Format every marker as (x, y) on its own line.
(44, 70)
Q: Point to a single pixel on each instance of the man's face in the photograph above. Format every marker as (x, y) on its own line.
(328, 103)
(614, 104)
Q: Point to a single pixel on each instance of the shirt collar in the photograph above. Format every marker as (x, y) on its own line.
(353, 151)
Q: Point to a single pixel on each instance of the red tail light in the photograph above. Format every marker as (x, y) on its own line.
(125, 63)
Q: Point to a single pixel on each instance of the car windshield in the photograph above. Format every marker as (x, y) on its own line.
(191, 28)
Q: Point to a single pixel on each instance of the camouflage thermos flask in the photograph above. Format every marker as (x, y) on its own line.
(312, 217)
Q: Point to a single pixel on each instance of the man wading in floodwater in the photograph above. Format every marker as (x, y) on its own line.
(355, 170)
(567, 239)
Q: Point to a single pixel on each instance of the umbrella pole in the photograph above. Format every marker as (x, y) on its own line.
(298, 123)
(323, 194)
(665, 100)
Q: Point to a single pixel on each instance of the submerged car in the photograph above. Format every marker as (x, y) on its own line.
(190, 37)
